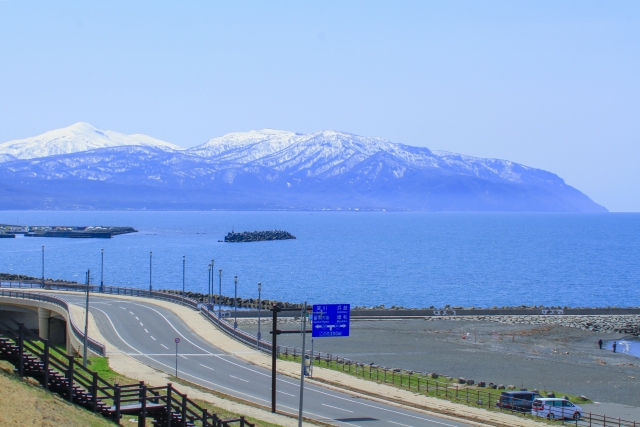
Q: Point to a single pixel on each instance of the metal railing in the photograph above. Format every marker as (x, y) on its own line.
(112, 290)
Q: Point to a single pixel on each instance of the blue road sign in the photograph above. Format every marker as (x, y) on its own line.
(330, 320)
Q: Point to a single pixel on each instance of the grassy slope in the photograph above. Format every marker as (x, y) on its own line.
(24, 403)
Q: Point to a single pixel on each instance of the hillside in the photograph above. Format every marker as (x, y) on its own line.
(23, 403)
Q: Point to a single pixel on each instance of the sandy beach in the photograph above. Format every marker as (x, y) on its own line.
(548, 357)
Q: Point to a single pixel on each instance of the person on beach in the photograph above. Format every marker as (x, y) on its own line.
(615, 344)
(600, 343)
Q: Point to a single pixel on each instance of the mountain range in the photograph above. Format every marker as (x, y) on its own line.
(83, 167)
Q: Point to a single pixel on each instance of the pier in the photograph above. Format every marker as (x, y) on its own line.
(73, 232)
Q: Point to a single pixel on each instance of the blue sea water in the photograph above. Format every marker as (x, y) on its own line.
(362, 258)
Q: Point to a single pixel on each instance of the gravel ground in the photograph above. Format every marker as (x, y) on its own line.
(550, 357)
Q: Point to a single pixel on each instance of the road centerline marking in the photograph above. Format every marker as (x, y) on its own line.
(335, 407)
(239, 378)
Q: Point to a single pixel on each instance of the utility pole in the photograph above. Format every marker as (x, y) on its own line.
(86, 321)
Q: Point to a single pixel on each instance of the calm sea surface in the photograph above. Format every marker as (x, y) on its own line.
(404, 259)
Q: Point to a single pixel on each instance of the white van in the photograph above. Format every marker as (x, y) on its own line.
(554, 408)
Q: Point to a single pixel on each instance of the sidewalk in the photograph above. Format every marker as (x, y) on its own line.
(332, 379)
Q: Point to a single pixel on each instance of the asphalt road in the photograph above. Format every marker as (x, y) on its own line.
(147, 333)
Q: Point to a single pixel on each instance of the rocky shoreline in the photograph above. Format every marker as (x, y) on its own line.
(621, 324)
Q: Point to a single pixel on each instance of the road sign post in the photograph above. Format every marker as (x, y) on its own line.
(177, 340)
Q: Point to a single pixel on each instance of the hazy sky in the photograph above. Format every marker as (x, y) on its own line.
(553, 85)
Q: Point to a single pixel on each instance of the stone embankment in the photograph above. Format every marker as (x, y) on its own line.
(229, 301)
(622, 324)
(258, 236)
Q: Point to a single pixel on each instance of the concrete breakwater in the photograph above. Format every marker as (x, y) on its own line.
(258, 236)
(622, 324)
(265, 304)
(77, 232)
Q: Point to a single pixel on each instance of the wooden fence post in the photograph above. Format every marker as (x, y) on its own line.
(70, 377)
(94, 391)
(169, 397)
(184, 410)
(21, 349)
(142, 418)
(45, 360)
(116, 403)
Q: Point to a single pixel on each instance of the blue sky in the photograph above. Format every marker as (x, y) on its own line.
(553, 85)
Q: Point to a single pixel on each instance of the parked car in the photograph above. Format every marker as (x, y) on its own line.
(517, 400)
(556, 408)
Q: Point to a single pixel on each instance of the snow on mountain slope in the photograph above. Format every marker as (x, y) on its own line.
(76, 138)
(244, 147)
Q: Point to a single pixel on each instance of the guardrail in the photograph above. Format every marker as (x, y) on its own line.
(112, 290)
(236, 333)
(93, 345)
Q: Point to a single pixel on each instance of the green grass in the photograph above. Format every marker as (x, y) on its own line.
(442, 388)
(24, 402)
(101, 366)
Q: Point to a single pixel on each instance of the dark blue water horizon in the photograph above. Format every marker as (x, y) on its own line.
(410, 259)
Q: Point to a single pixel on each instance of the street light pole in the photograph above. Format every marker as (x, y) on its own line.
(235, 305)
(211, 291)
(184, 266)
(102, 271)
(86, 321)
(209, 288)
(150, 272)
(259, 309)
(220, 296)
(43, 266)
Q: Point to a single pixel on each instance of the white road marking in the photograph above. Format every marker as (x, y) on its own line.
(182, 356)
(174, 328)
(205, 366)
(400, 424)
(168, 354)
(145, 329)
(152, 338)
(123, 308)
(239, 378)
(132, 312)
(335, 407)
(165, 346)
(260, 399)
(288, 394)
(141, 324)
(137, 318)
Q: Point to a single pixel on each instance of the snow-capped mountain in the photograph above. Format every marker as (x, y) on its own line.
(272, 169)
(73, 139)
(246, 146)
